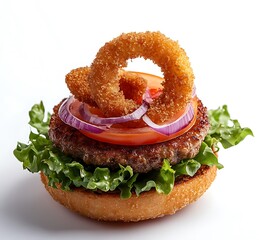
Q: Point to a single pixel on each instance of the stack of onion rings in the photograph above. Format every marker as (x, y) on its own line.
(100, 84)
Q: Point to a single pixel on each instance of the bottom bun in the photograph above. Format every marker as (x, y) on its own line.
(149, 205)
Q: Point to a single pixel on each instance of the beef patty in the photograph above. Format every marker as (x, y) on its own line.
(141, 158)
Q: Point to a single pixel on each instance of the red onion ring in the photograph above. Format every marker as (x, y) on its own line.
(137, 114)
(173, 127)
(67, 117)
(96, 124)
(94, 119)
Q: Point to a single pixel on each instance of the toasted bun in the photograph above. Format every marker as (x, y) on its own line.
(149, 205)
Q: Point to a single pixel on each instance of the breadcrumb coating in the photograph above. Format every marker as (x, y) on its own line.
(166, 53)
(132, 85)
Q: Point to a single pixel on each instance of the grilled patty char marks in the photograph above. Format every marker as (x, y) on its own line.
(141, 158)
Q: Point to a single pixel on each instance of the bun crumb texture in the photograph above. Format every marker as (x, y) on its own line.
(149, 205)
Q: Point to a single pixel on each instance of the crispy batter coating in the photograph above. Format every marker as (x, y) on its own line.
(131, 85)
(77, 83)
(166, 53)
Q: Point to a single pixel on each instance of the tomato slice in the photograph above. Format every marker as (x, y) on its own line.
(143, 135)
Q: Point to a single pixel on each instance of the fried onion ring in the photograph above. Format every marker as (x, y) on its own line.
(132, 85)
(166, 53)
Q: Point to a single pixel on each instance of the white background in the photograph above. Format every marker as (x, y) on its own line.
(41, 41)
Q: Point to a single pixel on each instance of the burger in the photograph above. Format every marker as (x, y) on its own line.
(126, 168)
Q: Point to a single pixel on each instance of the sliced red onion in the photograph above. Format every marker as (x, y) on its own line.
(137, 114)
(173, 127)
(96, 124)
(67, 117)
(94, 119)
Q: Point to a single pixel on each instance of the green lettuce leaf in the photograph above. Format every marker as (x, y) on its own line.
(225, 130)
(162, 180)
(37, 115)
(39, 155)
(207, 157)
(186, 167)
